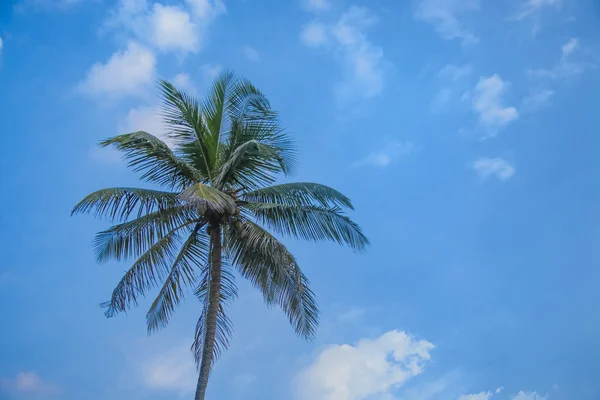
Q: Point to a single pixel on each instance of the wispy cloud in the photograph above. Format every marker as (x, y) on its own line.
(531, 7)
(363, 62)
(385, 157)
(211, 71)
(1, 44)
(182, 81)
(251, 53)
(566, 67)
(314, 34)
(488, 102)
(537, 100)
(455, 72)
(126, 73)
(528, 396)
(316, 5)
(497, 168)
(450, 76)
(444, 16)
(569, 47)
(172, 370)
(28, 385)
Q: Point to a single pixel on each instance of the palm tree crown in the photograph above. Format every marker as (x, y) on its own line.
(219, 198)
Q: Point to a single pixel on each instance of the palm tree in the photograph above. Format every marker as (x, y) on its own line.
(219, 198)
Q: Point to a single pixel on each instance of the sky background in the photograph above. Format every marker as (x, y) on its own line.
(465, 132)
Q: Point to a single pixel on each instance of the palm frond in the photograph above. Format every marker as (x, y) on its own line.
(267, 263)
(299, 194)
(207, 199)
(147, 153)
(118, 204)
(313, 223)
(251, 164)
(194, 252)
(181, 113)
(144, 274)
(133, 238)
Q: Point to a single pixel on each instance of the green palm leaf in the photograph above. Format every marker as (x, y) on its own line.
(118, 204)
(267, 263)
(182, 274)
(299, 194)
(147, 153)
(314, 223)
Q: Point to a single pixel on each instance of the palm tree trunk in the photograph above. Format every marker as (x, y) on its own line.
(214, 298)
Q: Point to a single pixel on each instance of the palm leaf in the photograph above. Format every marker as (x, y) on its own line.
(132, 238)
(208, 199)
(151, 155)
(267, 263)
(313, 223)
(194, 252)
(144, 274)
(299, 194)
(117, 204)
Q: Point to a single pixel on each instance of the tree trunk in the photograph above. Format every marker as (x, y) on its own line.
(214, 298)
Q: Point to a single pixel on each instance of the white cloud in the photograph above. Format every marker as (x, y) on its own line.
(566, 68)
(314, 34)
(211, 71)
(147, 119)
(441, 99)
(569, 47)
(387, 156)
(251, 53)
(1, 45)
(316, 5)
(488, 103)
(171, 28)
(167, 27)
(172, 370)
(364, 63)
(28, 384)
(479, 396)
(443, 15)
(126, 73)
(182, 81)
(207, 9)
(373, 367)
(351, 315)
(537, 100)
(455, 72)
(493, 167)
(528, 396)
(531, 7)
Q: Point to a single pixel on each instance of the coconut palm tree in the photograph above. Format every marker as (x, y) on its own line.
(217, 172)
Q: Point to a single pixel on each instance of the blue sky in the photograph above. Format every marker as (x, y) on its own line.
(465, 131)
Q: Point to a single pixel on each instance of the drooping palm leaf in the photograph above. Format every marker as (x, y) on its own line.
(267, 263)
(144, 274)
(194, 252)
(314, 223)
(132, 238)
(299, 194)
